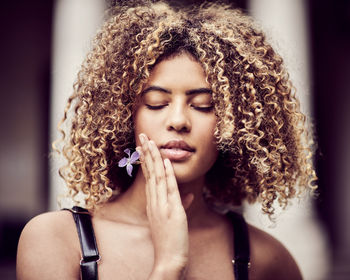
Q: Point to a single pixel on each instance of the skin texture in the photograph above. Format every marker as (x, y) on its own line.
(265, 152)
(160, 228)
(165, 213)
(181, 115)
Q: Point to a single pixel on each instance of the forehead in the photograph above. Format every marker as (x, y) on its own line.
(180, 71)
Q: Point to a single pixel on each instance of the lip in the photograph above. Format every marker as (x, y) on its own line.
(177, 150)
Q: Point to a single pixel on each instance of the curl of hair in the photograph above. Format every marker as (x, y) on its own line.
(264, 146)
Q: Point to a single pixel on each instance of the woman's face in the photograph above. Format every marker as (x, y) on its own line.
(176, 112)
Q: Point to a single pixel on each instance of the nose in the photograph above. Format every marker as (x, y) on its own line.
(178, 118)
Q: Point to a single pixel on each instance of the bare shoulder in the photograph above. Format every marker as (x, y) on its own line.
(269, 258)
(49, 248)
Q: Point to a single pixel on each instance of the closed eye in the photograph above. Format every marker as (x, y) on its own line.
(156, 107)
(204, 109)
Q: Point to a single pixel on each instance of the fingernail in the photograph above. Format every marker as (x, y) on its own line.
(151, 144)
(138, 149)
(142, 139)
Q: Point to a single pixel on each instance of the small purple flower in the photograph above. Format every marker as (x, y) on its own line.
(129, 161)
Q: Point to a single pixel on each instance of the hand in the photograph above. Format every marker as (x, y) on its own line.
(165, 211)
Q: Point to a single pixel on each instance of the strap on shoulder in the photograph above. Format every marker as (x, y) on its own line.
(241, 261)
(90, 254)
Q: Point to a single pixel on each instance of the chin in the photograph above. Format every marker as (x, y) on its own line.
(186, 175)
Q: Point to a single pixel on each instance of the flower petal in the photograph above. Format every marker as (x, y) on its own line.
(123, 162)
(134, 157)
(127, 151)
(129, 168)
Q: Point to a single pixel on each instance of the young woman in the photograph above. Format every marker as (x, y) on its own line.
(208, 106)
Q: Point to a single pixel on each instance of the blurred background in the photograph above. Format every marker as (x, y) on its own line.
(42, 45)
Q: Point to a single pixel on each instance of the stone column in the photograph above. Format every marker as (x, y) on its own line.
(284, 22)
(75, 24)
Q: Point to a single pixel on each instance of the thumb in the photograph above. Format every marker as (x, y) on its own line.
(187, 200)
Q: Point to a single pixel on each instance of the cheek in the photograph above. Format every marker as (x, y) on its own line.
(206, 136)
(211, 153)
(144, 123)
(212, 145)
(138, 126)
(206, 130)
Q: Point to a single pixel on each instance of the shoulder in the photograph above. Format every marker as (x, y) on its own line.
(269, 258)
(49, 248)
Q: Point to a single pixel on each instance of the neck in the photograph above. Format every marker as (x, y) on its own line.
(133, 202)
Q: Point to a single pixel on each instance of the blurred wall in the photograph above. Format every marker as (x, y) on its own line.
(25, 68)
(74, 26)
(330, 42)
(24, 87)
(286, 25)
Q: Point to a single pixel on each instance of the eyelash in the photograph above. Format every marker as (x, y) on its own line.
(158, 107)
(201, 109)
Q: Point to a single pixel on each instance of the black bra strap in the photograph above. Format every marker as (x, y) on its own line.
(241, 261)
(88, 263)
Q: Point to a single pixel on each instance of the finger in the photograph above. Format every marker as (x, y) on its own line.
(144, 171)
(142, 162)
(159, 173)
(173, 190)
(149, 167)
(142, 157)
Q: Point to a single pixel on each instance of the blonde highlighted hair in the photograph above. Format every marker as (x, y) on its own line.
(260, 131)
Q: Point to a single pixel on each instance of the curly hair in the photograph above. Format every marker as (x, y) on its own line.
(261, 135)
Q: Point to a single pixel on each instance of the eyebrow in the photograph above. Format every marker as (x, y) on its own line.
(155, 88)
(199, 90)
(189, 92)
